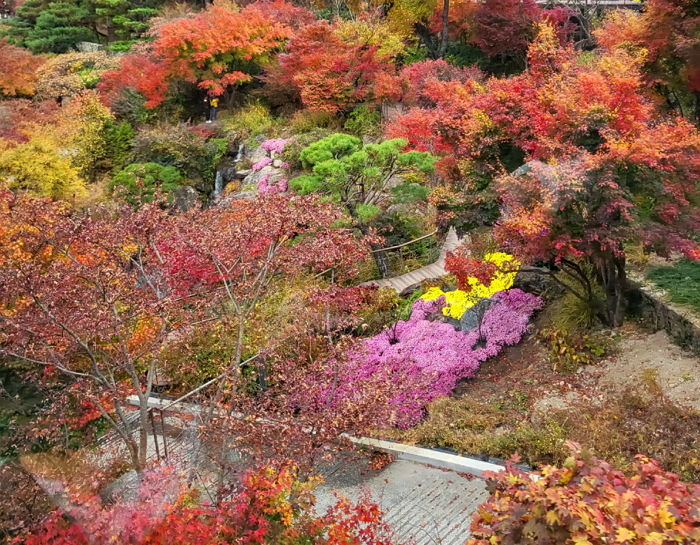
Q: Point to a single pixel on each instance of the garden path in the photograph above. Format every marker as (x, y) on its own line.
(413, 279)
(422, 504)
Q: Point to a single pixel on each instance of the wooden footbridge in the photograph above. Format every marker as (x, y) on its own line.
(413, 279)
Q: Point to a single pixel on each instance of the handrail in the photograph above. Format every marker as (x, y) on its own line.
(202, 386)
(405, 243)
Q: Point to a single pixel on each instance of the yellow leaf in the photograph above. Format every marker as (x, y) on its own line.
(552, 517)
(655, 538)
(665, 517)
(624, 534)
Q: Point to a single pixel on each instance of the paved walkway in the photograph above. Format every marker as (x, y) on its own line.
(413, 279)
(423, 505)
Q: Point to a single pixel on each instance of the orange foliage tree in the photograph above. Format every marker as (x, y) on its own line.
(17, 70)
(215, 49)
(271, 506)
(635, 173)
(665, 36)
(587, 502)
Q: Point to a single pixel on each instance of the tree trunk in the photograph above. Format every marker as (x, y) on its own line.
(143, 433)
(427, 38)
(444, 32)
(614, 281)
(379, 256)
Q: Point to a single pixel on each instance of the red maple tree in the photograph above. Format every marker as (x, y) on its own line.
(323, 72)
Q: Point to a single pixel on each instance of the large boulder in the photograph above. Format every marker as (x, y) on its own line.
(471, 319)
(273, 175)
(185, 198)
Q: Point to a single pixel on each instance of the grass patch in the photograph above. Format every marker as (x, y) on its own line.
(681, 281)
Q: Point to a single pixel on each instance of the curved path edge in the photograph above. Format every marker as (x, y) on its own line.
(431, 457)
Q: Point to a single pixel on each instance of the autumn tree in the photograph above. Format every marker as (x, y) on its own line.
(664, 35)
(20, 117)
(83, 297)
(330, 68)
(558, 108)
(429, 20)
(39, 166)
(640, 190)
(215, 49)
(587, 116)
(505, 27)
(68, 74)
(98, 299)
(17, 70)
(271, 505)
(81, 131)
(232, 254)
(364, 179)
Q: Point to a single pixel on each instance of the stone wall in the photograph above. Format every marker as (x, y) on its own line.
(644, 301)
(650, 304)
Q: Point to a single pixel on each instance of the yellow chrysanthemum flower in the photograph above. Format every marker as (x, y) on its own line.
(459, 301)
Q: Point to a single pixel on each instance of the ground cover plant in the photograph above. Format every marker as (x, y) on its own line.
(199, 199)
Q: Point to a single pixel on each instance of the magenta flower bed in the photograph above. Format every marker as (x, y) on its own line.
(427, 347)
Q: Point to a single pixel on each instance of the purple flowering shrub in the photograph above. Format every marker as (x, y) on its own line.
(436, 355)
(265, 161)
(275, 145)
(267, 188)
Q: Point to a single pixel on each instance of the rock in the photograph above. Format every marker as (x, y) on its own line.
(125, 487)
(186, 198)
(682, 325)
(256, 154)
(537, 284)
(274, 175)
(88, 47)
(241, 174)
(553, 401)
(471, 319)
(277, 163)
(228, 198)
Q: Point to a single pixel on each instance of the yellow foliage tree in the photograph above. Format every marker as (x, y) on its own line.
(379, 34)
(68, 74)
(80, 131)
(41, 167)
